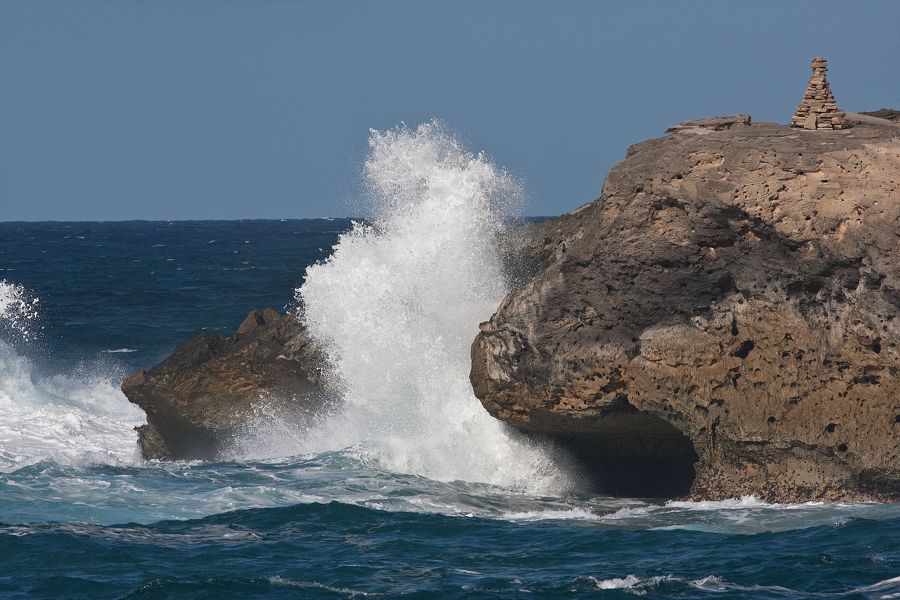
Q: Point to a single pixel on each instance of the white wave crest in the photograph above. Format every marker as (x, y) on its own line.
(67, 419)
(631, 583)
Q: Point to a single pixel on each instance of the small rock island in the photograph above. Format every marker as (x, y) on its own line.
(724, 320)
(201, 396)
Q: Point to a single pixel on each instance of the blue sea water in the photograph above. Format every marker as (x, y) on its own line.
(408, 489)
(75, 523)
(144, 286)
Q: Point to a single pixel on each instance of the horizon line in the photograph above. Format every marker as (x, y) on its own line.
(276, 219)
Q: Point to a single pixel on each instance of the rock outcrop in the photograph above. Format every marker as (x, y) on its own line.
(888, 114)
(714, 123)
(198, 398)
(723, 321)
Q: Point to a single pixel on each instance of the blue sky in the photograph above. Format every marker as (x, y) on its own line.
(224, 110)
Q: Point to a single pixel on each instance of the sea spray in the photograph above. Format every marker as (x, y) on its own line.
(18, 311)
(68, 419)
(398, 304)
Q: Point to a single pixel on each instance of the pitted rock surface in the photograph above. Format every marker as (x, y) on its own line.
(741, 286)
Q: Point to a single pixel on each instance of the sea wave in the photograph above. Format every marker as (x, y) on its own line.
(68, 418)
(338, 548)
(671, 584)
(397, 305)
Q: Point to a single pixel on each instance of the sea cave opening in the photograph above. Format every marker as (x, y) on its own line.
(628, 453)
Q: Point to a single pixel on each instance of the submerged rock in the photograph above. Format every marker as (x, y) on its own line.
(723, 321)
(202, 395)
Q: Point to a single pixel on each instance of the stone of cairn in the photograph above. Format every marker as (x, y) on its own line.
(818, 110)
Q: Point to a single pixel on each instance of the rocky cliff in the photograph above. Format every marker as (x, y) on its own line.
(724, 320)
(204, 393)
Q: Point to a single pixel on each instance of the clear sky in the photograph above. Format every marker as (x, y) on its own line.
(224, 110)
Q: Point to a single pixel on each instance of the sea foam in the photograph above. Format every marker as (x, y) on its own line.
(63, 418)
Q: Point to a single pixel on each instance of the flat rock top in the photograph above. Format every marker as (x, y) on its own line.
(783, 137)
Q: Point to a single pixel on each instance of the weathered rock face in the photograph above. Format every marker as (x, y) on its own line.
(202, 394)
(724, 320)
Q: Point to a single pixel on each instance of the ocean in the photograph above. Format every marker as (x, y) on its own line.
(409, 490)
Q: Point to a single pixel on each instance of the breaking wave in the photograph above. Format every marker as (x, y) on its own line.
(398, 304)
(64, 418)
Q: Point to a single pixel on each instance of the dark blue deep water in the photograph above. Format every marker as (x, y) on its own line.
(82, 516)
(148, 285)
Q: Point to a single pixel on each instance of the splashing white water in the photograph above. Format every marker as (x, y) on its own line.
(18, 312)
(66, 419)
(398, 304)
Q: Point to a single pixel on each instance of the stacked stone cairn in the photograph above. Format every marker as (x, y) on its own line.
(818, 110)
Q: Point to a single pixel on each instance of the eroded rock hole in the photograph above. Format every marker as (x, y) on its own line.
(744, 350)
(629, 453)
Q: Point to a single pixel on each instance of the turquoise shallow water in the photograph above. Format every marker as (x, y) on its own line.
(81, 516)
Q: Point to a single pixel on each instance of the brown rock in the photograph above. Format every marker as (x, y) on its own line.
(153, 447)
(714, 123)
(724, 320)
(885, 113)
(198, 398)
